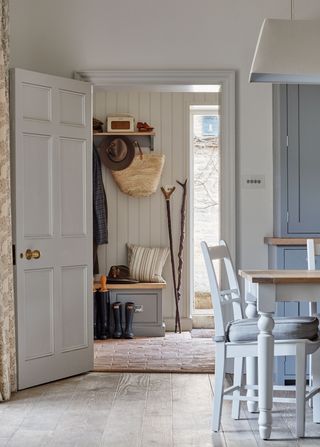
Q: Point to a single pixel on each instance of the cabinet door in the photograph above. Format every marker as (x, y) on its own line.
(291, 259)
(303, 159)
(294, 258)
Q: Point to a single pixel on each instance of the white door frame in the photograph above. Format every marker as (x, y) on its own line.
(116, 79)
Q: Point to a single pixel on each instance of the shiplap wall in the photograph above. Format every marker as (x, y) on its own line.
(143, 221)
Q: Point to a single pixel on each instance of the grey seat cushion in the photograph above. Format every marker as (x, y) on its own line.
(285, 328)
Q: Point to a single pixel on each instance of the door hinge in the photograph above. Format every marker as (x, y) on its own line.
(287, 216)
(13, 254)
(287, 142)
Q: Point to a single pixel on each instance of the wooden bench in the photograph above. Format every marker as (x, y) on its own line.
(147, 297)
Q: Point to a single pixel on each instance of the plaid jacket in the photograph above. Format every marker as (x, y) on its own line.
(100, 208)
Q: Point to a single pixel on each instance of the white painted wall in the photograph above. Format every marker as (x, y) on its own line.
(61, 36)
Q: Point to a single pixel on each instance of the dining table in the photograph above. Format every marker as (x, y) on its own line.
(263, 289)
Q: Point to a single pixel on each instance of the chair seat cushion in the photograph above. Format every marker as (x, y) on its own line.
(285, 328)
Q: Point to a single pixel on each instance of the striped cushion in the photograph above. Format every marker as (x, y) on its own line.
(145, 263)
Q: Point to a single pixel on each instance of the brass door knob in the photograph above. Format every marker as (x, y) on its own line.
(32, 254)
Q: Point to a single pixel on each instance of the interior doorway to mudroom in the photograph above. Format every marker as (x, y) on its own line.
(176, 116)
(205, 203)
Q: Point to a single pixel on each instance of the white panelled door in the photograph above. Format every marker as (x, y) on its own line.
(52, 215)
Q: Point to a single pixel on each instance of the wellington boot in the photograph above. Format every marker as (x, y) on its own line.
(104, 311)
(95, 316)
(129, 312)
(117, 317)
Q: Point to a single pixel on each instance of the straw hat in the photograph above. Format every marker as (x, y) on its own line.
(118, 153)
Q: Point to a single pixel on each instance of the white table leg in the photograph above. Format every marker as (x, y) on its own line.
(251, 362)
(265, 373)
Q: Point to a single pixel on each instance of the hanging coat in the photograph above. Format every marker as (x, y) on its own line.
(100, 209)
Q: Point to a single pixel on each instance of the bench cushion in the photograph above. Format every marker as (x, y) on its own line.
(146, 263)
(285, 328)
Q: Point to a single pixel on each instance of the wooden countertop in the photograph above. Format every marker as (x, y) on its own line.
(270, 240)
(134, 286)
(281, 276)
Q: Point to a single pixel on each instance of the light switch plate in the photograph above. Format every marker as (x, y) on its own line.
(253, 181)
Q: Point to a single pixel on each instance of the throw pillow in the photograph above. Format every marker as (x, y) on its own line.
(146, 263)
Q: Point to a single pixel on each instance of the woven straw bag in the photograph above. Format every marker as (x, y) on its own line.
(141, 178)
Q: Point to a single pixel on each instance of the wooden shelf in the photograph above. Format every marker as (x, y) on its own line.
(144, 138)
(136, 286)
(126, 134)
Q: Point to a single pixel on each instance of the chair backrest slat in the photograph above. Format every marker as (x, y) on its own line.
(313, 250)
(222, 299)
(218, 252)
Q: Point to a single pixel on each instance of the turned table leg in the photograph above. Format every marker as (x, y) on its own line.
(265, 373)
(251, 362)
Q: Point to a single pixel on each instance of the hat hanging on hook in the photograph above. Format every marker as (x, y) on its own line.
(117, 153)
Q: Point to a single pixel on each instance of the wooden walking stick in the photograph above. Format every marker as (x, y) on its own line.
(182, 235)
(167, 194)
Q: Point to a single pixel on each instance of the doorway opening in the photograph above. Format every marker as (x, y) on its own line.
(163, 99)
(205, 164)
(157, 82)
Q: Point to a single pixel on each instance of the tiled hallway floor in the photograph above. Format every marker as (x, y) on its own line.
(186, 352)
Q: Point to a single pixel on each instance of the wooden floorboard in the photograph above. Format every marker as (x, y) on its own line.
(138, 410)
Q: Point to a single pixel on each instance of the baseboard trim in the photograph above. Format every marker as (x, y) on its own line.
(186, 324)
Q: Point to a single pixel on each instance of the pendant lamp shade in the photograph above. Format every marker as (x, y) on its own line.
(287, 52)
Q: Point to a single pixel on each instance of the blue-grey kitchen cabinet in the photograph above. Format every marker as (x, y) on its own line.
(296, 188)
(297, 160)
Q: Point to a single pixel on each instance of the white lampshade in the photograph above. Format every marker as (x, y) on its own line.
(287, 51)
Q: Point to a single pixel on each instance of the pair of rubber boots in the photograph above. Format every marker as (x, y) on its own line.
(117, 317)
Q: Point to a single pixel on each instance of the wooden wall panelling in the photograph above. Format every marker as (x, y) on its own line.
(156, 208)
(178, 155)
(166, 133)
(122, 199)
(133, 202)
(112, 196)
(144, 202)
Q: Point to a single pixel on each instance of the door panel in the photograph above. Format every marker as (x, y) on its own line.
(73, 170)
(39, 340)
(37, 150)
(37, 102)
(51, 183)
(74, 307)
(72, 108)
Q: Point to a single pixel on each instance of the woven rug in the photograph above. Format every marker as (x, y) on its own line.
(189, 352)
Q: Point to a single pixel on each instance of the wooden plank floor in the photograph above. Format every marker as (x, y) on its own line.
(136, 410)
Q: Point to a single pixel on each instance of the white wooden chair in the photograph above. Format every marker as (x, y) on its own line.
(236, 338)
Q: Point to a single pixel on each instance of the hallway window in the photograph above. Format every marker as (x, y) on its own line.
(205, 157)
